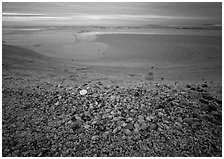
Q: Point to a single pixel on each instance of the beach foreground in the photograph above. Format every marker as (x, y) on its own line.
(164, 103)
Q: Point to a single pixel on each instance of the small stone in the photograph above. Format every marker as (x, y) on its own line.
(83, 92)
(204, 85)
(136, 94)
(207, 97)
(136, 131)
(112, 97)
(163, 139)
(69, 122)
(217, 115)
(153, 126)
(130, 126)
(127, 132)
(145, 147)
(148, 118)
(119, 123)
(160, 114)
(151, 117)
(57, 103)
(78, 118)
(95, 138)
(211, 107)
(141, 121)
(115, 119)
(160, 106)
(178, 125)
(86, 126)
(91, 106)
(94, 122)
(136, 137)
(142, 105)
(144, 126)
(115, 130)
(179, 119)
(203, 101)
(141, 117)
(106, 133)
(76, 125)
(129, 119)
(136, 125)
(218, 101)
(107, 110)
(123, 137)
(190, 121)
(124, 124)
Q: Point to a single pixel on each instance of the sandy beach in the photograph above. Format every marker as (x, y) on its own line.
(111, 79)
(161, 89)
(166, 55)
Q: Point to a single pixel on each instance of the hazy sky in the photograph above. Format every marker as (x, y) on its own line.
(126, 13)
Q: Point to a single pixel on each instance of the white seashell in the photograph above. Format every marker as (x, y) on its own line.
(83, 92)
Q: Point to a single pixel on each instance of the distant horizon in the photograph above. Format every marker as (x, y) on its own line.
(110, 14)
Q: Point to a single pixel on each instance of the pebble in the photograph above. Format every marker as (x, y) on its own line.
(190, 121)
(153, 126)
(136, 125)
(150, 117)
(124, 124)
(94, 122)
(136, 131)
(57, 103)
(95, 137)
(218, 101)
(141, 117)
(106, 133)
(204, 85)
(91, 106)
(207, 97)
(86, 126)
(112, 97)
(160, 114)
(130, 126)
(127, 131)
(83, 92)
(129, 119)
(107, 110)
(179, 119)
(78, 118)
(141, 121)
(136, 137)
(203, 101)
(178, 125)
(211, 107)
(76, 125)
(144, 126)
(115, 130)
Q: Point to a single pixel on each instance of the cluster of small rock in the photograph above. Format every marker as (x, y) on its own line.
(146, 119)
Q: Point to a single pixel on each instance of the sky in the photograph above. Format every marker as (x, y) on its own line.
(110, 13)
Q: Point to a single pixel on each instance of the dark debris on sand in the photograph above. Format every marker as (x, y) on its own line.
(146, 119)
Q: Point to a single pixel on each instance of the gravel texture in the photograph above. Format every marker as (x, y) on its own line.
(142, 119)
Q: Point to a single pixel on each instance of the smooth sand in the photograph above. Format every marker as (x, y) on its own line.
(156, 57)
